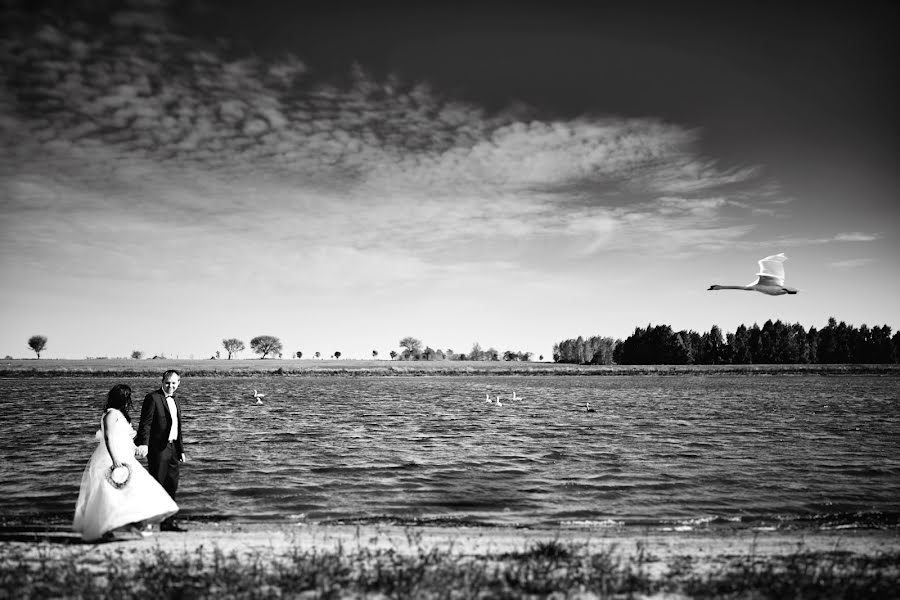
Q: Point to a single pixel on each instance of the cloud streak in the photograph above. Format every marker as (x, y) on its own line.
(134, 123)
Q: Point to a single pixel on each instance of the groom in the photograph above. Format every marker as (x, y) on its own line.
(159, 437)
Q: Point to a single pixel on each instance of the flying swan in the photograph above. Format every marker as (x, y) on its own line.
(770, 279)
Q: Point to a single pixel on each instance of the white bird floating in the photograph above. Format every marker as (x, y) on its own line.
(770, 279)
(588, 407)
(498, 401)
(514, 397)
(258, 396)
(487, 398)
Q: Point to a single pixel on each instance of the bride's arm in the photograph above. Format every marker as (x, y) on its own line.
(109, 421)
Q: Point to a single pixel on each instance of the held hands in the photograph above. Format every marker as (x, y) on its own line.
(141, 452)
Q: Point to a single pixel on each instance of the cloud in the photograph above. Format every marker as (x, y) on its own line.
(851, 263)
(151, 126)
(857, 236)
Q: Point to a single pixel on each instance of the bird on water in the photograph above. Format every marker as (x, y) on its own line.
(769, 280)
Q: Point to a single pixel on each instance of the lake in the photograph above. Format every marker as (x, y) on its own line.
(665, 452)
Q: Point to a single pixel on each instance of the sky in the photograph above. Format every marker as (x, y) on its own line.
(345, 175)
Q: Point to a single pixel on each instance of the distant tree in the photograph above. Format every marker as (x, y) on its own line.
(882, 349)
(137, 354)
(812, 343)
(337, 354)
(317, 355)
(599, 350)
(265, 345)
(800, 339)
(476, 353)
(393, 354)
(232, 346)
(740, 353)
(374, 353)
(37, 343)
(428, 353)
(413, 347)
(541, 357)
(439, 354)
(298, 354)
(678, 349)
(694, 342)
(895, 342)
(711, 347)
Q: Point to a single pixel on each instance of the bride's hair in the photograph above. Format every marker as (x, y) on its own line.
(119, 397)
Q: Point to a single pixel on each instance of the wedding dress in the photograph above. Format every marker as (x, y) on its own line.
(107, 501)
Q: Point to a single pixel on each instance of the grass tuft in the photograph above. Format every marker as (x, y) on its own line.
(547, 569)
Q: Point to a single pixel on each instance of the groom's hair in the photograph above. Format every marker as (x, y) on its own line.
(171, 372)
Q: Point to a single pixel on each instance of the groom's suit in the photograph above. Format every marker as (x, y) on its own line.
(153, 431)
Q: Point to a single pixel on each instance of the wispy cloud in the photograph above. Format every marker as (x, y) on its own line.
(851, 263)
(857, 236)
(138, 124)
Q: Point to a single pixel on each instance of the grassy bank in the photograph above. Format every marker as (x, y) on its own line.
(545, 569)
(386, 368)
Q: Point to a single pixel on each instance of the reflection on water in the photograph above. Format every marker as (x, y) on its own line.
(658, 451)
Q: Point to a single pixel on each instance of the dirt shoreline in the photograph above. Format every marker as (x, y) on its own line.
(238, 560)
(273, 540)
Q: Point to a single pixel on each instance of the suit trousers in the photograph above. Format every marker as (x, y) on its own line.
(163, 465)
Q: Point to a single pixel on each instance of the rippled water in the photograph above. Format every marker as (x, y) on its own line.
(762, 451)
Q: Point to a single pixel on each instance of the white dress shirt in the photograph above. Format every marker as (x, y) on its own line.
(173, 412)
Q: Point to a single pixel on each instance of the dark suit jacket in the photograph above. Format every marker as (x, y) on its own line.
(153, 430)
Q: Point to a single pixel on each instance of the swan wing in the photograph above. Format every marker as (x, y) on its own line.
(771, 270)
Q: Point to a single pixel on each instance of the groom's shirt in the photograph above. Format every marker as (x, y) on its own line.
(173, 412)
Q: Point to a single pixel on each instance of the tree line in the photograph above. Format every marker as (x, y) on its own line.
(270, 345)
(773, 343)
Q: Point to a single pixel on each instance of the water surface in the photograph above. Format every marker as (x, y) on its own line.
(659, 451)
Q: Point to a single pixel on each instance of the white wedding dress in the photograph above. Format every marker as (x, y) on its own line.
(103, 507)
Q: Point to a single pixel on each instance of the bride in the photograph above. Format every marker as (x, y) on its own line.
(116, 491)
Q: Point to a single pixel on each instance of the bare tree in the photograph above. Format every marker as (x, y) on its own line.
(393, 354)
(232, 346)
(265, 345)
(37, 343)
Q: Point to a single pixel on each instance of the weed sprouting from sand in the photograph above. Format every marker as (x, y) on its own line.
(546, 569)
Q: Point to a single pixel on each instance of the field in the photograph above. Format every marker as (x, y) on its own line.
(307, 367)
